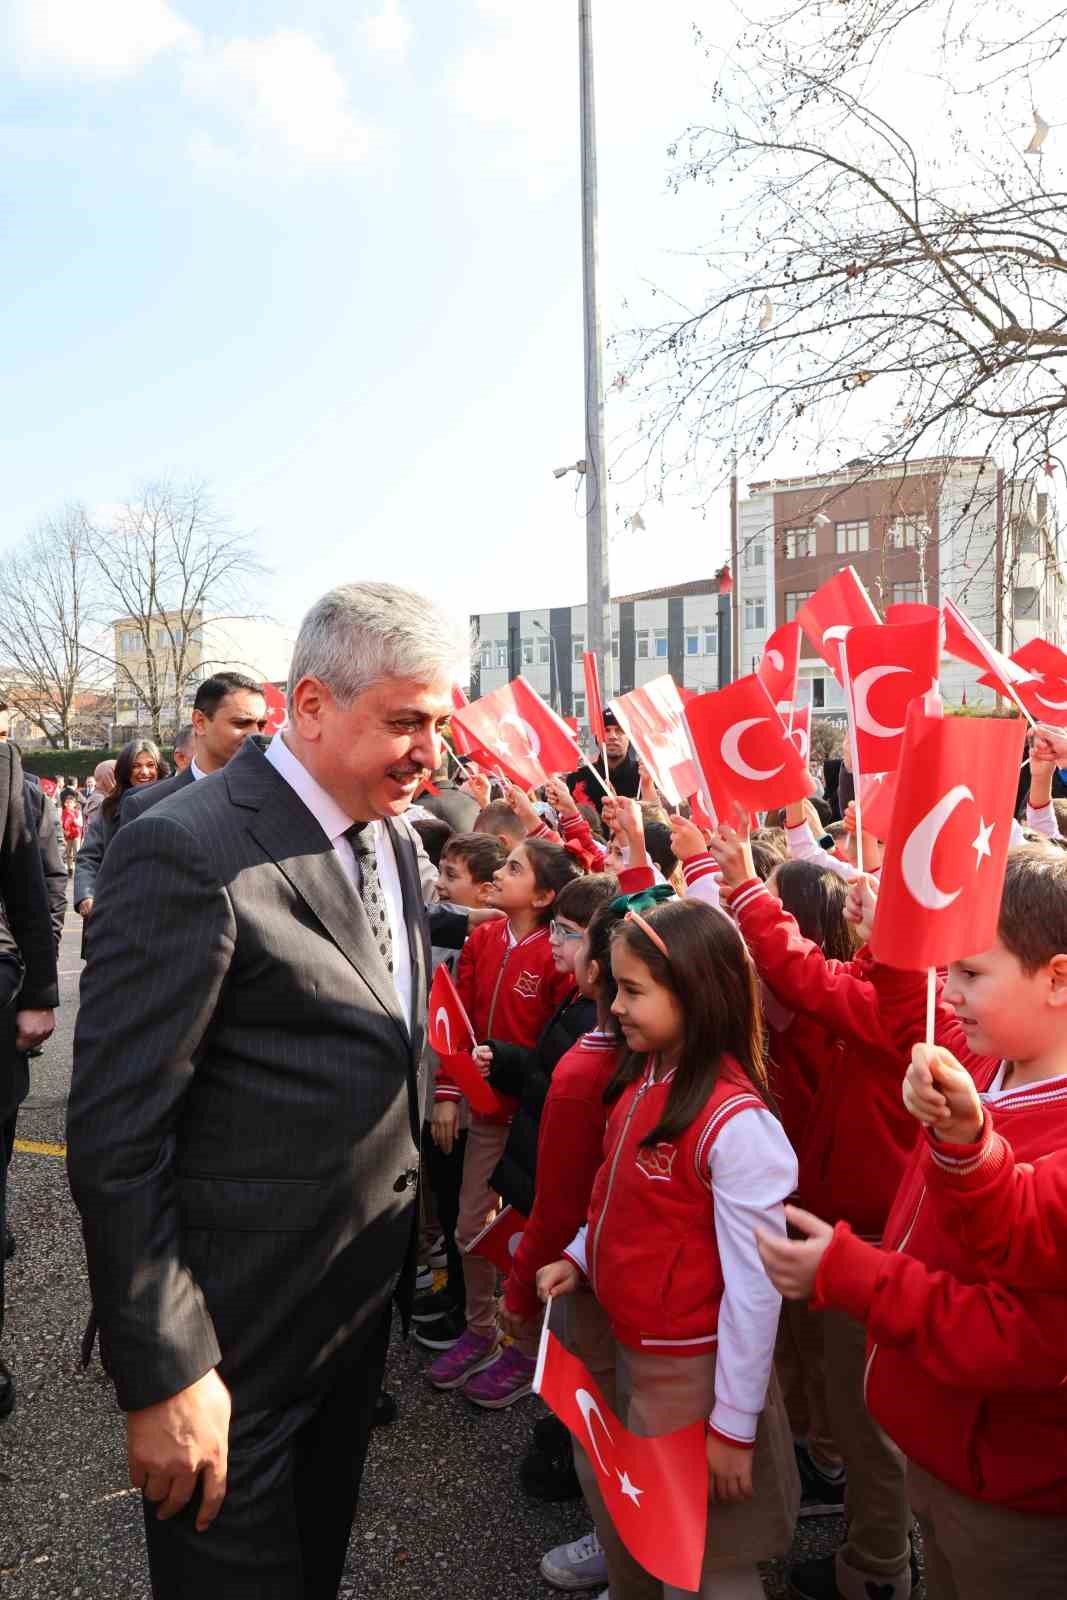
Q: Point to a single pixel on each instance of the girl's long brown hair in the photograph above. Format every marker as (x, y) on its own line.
(710, 973)
(815, 896)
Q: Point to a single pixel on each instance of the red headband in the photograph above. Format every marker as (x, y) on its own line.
(649, 932)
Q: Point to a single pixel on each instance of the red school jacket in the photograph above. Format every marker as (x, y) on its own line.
(509, 991)
(835, 1065)
(967, 1377)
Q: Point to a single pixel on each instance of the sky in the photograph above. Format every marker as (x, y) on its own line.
(326, 258)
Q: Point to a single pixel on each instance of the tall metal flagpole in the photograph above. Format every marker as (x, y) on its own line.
(598, 603)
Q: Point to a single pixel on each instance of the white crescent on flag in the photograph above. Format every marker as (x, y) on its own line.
(862, 685)
(836, 634)
(1053, 705)
(916, 858)
(776, 659)
(588, 1407)
(800, 738)
(730, 746)
(441, 1021)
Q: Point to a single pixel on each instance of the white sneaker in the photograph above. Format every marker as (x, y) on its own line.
(438, 1255)
(579, 1565)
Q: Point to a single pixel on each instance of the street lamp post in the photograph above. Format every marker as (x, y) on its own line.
(553, 665)
(598, 600)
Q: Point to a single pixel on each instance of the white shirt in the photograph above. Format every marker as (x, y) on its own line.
(196, 772)
(334, 821)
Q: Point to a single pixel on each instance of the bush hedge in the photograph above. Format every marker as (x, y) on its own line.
(72, 763)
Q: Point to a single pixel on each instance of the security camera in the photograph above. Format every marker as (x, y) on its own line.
(560, 472)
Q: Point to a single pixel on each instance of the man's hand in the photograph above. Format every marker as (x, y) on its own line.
(942, 1095)
(84, 907)
(559, 1277)
(792, 1264)
(729, 1471)
(32, 1028)
(179, 1442)
(444, 1120)
(861, 902)
(686, 838)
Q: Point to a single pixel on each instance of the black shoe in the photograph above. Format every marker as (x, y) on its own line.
(820, 1495)
(9, 1245)
(431, 1304)
(550, 1435)
(385, 1410)
(817, 1579)
(7, 1390)
(443, 1332)
(550, 1475)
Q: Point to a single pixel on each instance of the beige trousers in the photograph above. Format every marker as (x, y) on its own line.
(478, 1204)
(800, 1362)
(975, 1551)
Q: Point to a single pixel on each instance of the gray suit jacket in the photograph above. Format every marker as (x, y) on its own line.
(246, 1104)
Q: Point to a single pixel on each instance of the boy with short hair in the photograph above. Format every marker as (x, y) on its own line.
(967, 1376)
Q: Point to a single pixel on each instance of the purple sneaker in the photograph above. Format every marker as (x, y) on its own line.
(507, 1380)
(472, 1352)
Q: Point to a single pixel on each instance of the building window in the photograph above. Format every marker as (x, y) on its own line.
(577, 650)
(641, 638)
(818, 691)
(692, 641)
(1028, 542)
(615, 647)
(907, 594)
(799, 543)
(852, 536)
(754, 556)
(711, 641)
(660, 636)
(129, 643)
(486, 656)
(1026, 604)
(500, 650)
(527, 652)
(908, 533)
(578, 702)
(794, 600)
(755, 614)
(544, 650)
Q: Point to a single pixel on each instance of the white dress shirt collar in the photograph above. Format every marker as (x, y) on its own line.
(196, 771)
(323, 807)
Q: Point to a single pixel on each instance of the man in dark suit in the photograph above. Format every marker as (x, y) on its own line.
(245, 1159)
(227, 709)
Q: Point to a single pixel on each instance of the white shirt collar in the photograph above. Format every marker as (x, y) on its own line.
(323, 807)
(196, 771)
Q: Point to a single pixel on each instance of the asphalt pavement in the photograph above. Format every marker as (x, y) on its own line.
(441, 1516)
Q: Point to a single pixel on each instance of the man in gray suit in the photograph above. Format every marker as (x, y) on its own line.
(228, 708)
(246, 1160)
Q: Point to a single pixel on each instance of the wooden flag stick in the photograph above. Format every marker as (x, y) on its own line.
(850, 703)
(604, 784)
(931, 1002)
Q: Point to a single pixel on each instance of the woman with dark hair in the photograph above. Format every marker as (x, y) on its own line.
(139, 762)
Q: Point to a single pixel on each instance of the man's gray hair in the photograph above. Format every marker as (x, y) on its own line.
(183, 743)
(360, 633)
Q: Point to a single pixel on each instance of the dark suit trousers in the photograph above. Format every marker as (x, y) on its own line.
(292, 1486)
(445, 1173)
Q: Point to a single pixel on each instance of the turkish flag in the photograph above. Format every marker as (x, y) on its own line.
(450, 1034)
(1037, 655)
(655, 1489)
(912, 611)
(652, 719)
(277, 709)
(462, 744)
(1045, 699)
(799, 725)
(943, 872)
(594, 705)
(966, 643)
(499, 1239)
(888, 666)
(521, 733)
(877, 793)
(767, 769)
(780, 663)
(842, 603)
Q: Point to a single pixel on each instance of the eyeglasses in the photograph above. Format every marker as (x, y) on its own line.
(556, 930)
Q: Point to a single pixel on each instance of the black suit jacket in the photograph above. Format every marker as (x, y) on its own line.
(246, 1104)
(135, 802)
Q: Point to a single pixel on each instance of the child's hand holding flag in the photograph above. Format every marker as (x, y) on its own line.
(861, 902)
(942, 1095)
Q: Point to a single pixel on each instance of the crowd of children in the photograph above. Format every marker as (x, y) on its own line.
(759, 1198)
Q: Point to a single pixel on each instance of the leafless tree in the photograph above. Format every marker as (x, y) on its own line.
(888, 277)
(47, 670)
(167, 560)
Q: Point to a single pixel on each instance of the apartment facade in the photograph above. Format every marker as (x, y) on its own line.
(677, 630)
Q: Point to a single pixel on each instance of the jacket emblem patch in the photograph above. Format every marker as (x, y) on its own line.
(527, 984)
(657, 1161)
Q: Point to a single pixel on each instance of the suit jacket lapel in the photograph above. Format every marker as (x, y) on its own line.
(295, 842)
(417, 931)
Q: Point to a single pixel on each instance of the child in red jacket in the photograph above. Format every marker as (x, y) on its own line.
(970, 1377)
(853, 1142)
(510, 986)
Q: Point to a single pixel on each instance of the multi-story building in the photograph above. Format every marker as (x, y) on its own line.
(921, 530)
(189, 653)
(675, 630)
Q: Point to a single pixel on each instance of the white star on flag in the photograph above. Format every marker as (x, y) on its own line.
(629, 1489)
(980, 846)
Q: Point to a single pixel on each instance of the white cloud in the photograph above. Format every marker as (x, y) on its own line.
(286, 86)
(389, 32)
(108, 38)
